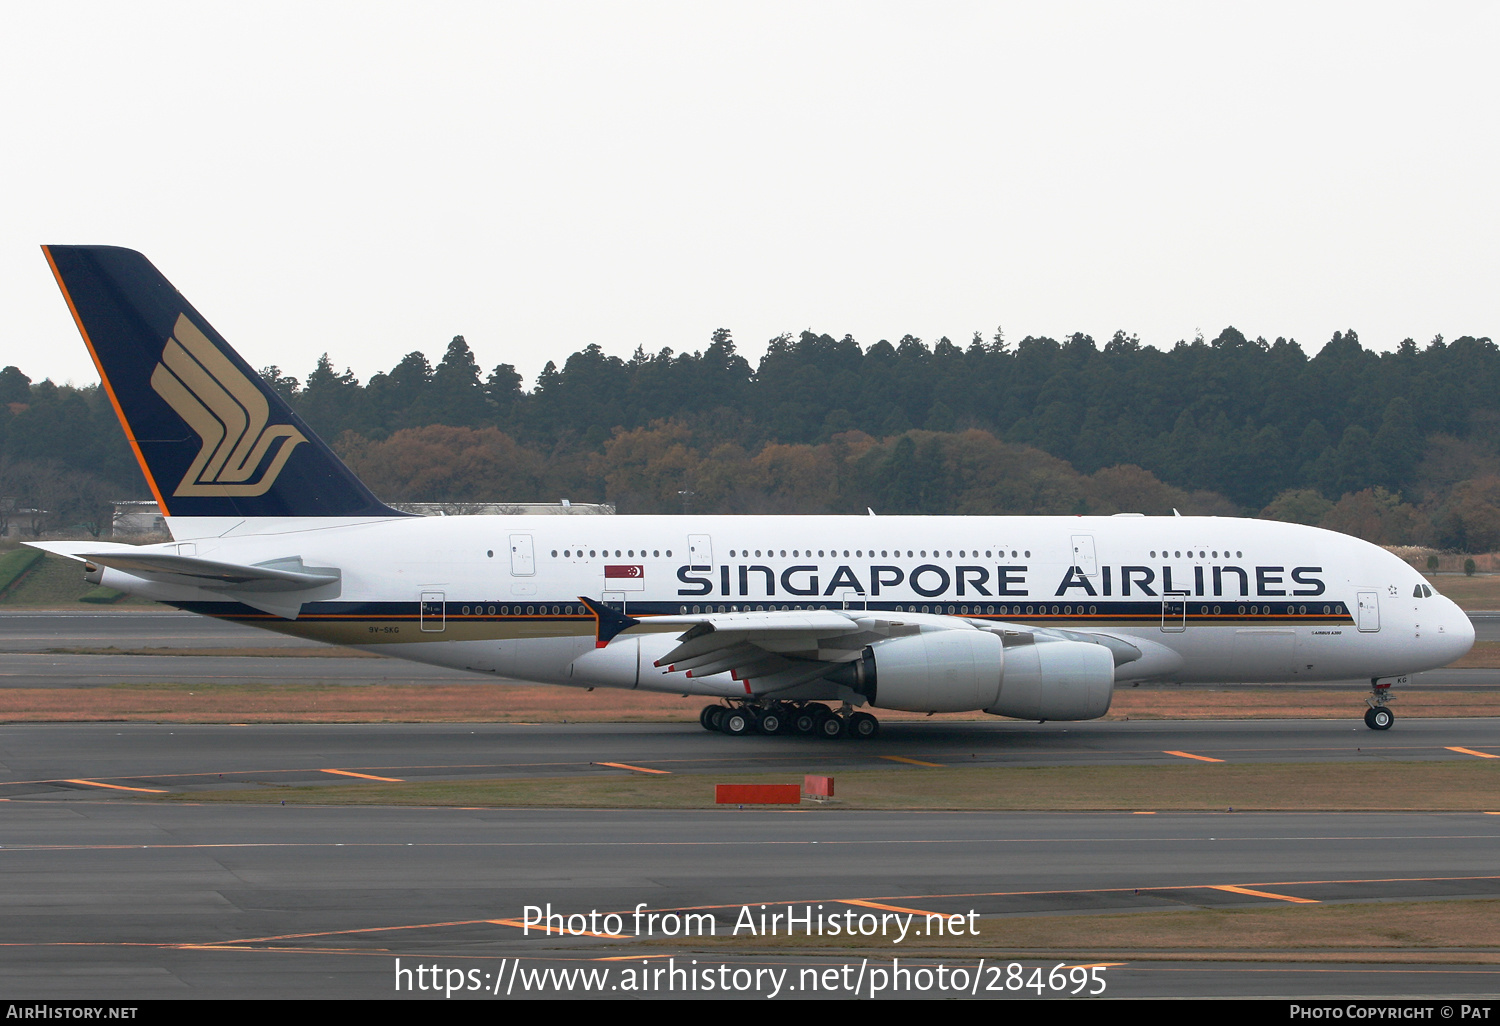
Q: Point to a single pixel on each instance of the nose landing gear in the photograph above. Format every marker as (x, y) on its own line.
(1379, 715)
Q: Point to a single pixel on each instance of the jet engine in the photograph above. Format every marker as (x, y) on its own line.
(1016, 675)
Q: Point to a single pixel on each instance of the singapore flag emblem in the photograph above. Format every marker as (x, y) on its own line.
(625, 577)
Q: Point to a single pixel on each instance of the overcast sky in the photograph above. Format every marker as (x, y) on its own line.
(369, 179)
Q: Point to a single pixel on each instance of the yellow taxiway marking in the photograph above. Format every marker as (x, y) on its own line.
(364, 776)
(638, 769)
(1143, 813)
(889, 908)
(1470, 751)
(116, 787)
(913, 762)
(1190, 755)
(1264, 894)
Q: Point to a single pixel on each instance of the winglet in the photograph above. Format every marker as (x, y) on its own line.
(609, 623)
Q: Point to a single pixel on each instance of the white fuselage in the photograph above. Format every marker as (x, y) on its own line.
(1204, 599)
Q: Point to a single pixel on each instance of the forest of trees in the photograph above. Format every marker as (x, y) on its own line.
(1398, 447)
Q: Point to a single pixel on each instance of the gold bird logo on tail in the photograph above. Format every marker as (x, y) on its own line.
(229, 414)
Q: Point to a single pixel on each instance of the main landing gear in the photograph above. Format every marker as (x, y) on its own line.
(1379, 715)
(812, 718)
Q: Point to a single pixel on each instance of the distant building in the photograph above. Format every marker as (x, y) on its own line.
(141, 519)
(138, 520)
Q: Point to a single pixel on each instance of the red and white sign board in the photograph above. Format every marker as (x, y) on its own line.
(625, 577)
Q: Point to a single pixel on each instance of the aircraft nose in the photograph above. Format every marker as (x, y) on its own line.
(1457, 634)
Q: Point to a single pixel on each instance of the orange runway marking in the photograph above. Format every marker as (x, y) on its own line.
(1470, 751)
(627, 766)
(364, 776)
(116, 787)
(913, 762)
(1190, 755)
(541, 927)
(889, 908)
(1264, 894)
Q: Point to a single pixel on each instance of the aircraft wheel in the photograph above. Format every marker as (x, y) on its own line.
(830, 726)
(862, 725)
(773, 721)
(737, 722)
(716, 717)
(1379, 718)
(706, 717)
(805, 720)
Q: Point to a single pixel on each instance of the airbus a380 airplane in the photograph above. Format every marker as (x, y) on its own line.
(1030, 617)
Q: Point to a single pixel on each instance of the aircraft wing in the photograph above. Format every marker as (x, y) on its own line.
(780, 649)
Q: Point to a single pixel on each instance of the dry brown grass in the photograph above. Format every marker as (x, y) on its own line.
(538, 703)
(1482, 591)
(1484, 655)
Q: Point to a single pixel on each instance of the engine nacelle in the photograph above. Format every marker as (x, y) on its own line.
(961, 671)
(1056, 680)
(939, 671)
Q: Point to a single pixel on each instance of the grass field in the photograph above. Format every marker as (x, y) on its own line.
(1446, 786)
(54, 582)
(1482, 591)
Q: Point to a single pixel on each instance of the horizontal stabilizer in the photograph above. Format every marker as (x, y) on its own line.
(277, 586)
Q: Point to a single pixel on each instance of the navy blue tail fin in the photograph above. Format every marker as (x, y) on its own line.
(212, 439)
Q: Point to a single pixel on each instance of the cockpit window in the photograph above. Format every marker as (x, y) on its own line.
(1426, 591)
(1417, 592)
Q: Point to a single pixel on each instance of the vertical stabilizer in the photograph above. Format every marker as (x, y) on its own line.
(212, 438)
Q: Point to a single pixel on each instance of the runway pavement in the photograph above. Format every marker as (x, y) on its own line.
(108, 893)
(131, 900)
(51, 759)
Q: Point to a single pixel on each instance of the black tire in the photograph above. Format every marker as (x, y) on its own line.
(773, 721)
(805, 720)
(1380, 718)
(737, 722)
(863, 726)
(716, 717)
(706, 717)
(830, 726)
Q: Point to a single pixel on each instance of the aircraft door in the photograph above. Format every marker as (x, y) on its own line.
(1083, 555)
(851, 599)
(522, 556)
(1174, 612)
(1369, 611)
(432, 614)
(700, 551)
(615, 600)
